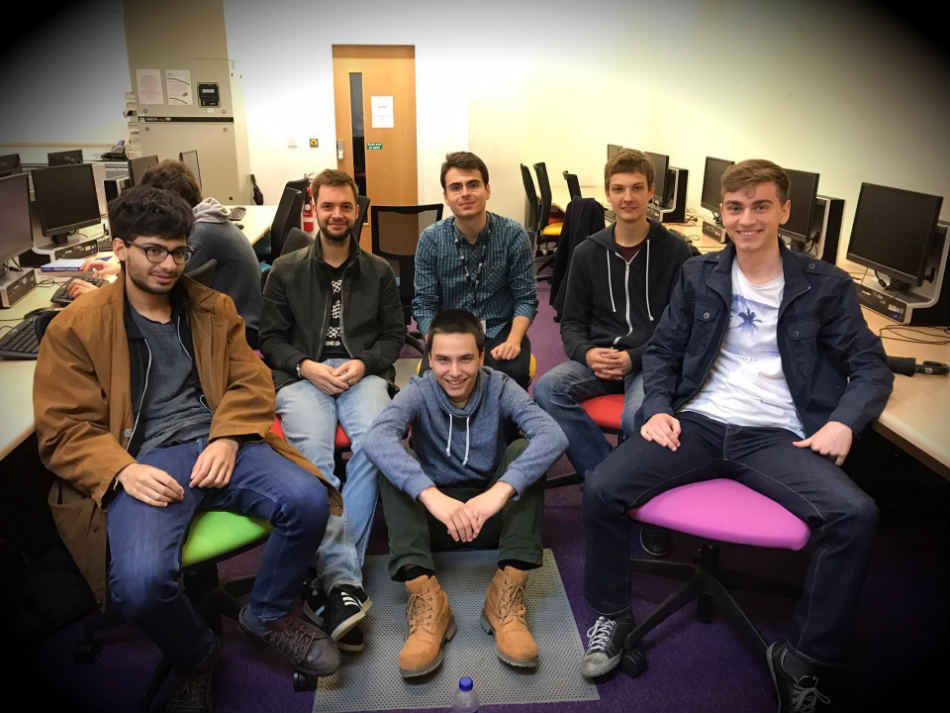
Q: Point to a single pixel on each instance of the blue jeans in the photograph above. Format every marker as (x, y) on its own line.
(309, 419)
(560, 391)
(145, 543)
(842, 518)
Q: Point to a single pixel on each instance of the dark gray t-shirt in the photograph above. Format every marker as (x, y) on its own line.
(172, 410)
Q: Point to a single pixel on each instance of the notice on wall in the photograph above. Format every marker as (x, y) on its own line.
(148, 83)
(178, 86)
(382, 109)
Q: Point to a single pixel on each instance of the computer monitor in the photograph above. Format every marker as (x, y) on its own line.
(64, 158)
(892, 233)
(712, 184)
(16, 228)
(664, 188)
(190, 159)
(65, 200)
(800, 228)
(10, 164)
(138, 166)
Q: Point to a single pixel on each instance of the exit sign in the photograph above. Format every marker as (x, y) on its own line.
(374, 146)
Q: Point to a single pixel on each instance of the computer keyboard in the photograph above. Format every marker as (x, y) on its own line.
(62, 296)
(20, 342)
(237, 212)
(104, 244)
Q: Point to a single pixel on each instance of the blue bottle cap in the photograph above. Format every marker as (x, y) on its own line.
(465, 683)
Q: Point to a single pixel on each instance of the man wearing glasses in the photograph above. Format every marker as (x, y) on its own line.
(150, 408)
(480, 262)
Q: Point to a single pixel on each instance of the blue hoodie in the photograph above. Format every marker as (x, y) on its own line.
(456, 445)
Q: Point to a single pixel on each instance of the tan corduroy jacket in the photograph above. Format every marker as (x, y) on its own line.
(84, 413)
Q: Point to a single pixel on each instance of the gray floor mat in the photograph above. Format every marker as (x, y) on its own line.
(370, 680)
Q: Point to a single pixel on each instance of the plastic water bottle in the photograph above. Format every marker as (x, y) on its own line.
(466, 700)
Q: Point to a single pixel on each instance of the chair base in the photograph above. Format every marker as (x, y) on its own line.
(709, 586)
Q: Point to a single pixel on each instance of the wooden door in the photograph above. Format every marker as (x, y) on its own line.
(374, 89)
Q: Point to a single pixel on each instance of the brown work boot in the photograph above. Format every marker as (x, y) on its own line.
(504, 614)
(429, 623)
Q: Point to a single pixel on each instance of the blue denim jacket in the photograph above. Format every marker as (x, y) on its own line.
(834, 365)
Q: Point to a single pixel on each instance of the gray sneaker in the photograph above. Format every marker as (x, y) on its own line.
(604, 646)
(308, 648)
(796, 685)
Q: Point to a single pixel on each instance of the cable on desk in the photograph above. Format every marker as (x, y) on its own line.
(900, 335)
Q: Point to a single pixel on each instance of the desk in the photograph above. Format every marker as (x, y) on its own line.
(917, 416)
(257, 220)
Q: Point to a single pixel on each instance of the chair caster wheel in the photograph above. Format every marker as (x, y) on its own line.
(633, 663)
(304, 681)
(87, 651)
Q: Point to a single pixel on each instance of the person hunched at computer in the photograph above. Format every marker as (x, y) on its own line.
(150, 408)
(215, 237)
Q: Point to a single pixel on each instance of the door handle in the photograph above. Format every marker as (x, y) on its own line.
(339, 149)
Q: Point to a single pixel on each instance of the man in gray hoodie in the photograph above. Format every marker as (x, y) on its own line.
(463, 484)
(215, 237)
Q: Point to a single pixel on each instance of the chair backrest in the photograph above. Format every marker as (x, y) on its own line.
(363, 203)
(544, 186)
(286, 217)
(534, 203)
(395, 232)
(295, 240)
(573, 185)
(204, 273)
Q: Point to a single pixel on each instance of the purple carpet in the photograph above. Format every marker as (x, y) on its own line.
(900, 642)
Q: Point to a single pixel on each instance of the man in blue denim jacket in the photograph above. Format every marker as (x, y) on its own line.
(762, 369)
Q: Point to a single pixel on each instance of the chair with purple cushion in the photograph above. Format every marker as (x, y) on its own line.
(719, 511)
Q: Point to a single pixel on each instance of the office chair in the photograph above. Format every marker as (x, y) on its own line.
(548, 232)
(286, 217)
(363, 203)
(204, 273)
(605, 411)
(534, 208)
(719, 511)
(573, 185)
(395, 233)
(295, 240)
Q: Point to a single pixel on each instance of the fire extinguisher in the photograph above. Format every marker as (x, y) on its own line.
(308, 212)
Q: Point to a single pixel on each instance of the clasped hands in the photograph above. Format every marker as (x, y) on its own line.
(609, 364)
(333, 381)
(464, 521)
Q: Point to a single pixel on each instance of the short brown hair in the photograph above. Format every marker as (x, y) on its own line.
(752, 172)
(332, 177)
(456, 321)
(466, 161)
(629, 161)
(176, 177)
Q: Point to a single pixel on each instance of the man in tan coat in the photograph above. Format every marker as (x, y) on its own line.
(151, 407)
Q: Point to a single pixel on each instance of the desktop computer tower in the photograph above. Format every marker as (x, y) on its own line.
(114, 186)
(675, 213)
(832, 211)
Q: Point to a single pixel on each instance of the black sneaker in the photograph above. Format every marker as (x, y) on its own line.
(308, 648)
(796, 684)
(346, 606)
(656, 543)
(193, 692)
(314, 604)
(604, 646)
(352, 641)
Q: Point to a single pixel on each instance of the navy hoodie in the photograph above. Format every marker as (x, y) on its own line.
(614, 303)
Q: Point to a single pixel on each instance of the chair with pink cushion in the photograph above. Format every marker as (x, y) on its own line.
(719, 511)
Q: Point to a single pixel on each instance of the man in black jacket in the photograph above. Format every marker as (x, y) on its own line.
(619, 283)
(331, 329)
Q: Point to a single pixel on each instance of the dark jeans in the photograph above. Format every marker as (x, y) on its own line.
(842, 518)
(518, 368)
(146, 542)
(414, 534)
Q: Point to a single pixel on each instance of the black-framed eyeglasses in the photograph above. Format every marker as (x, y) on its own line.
(157, 254)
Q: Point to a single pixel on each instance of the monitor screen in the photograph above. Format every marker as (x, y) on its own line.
(661, 162)
(892, 231)
(712, 187)
(10, 164)
(802, 191)
(138, 166)
(16, 229)
(65, 199)
(64, 158)
(190, 159)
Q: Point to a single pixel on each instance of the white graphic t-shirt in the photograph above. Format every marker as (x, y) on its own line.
(747, 386)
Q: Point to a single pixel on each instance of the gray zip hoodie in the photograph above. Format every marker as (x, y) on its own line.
(456, 445)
